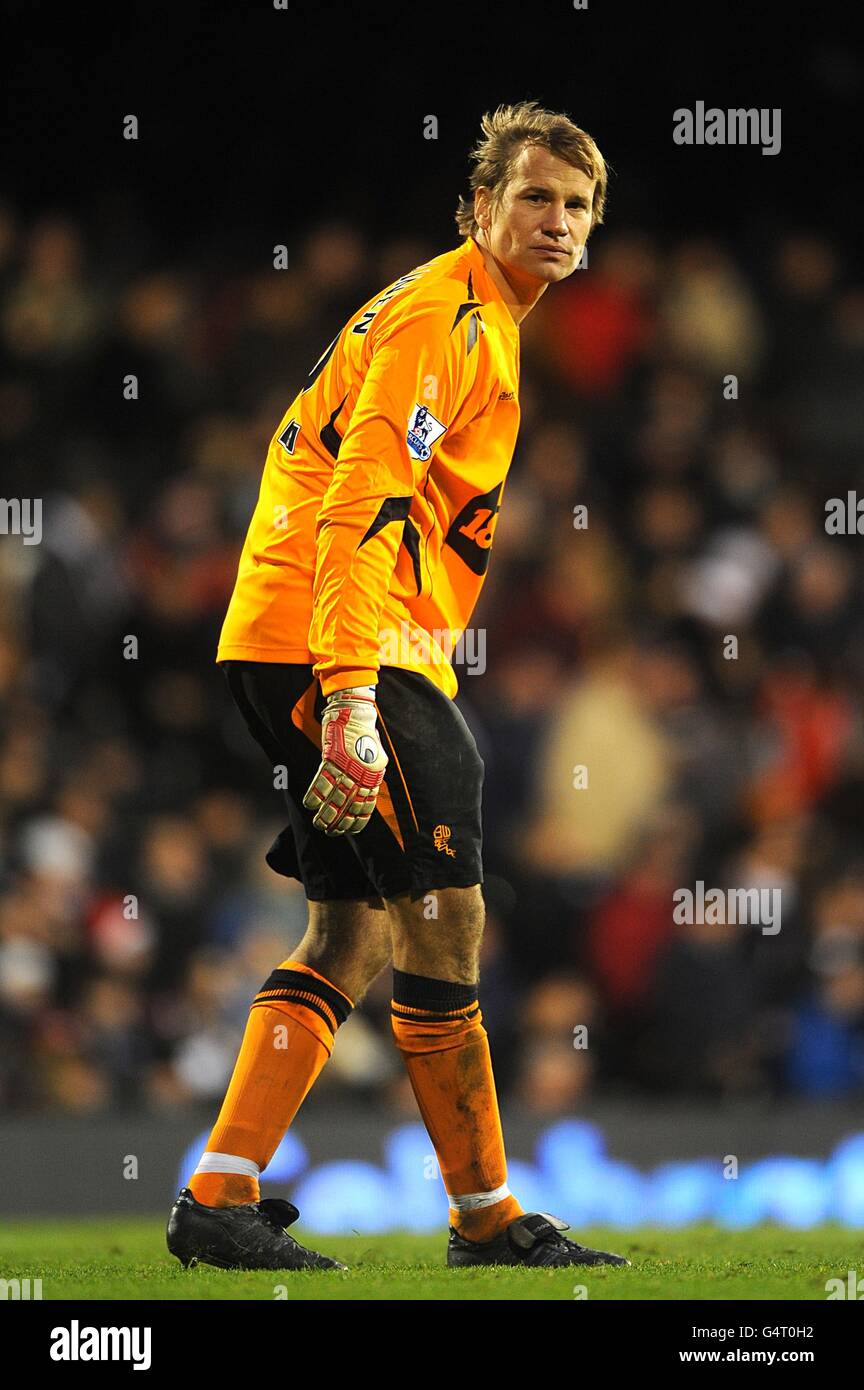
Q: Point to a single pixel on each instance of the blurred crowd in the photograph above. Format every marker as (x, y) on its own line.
(673, 692)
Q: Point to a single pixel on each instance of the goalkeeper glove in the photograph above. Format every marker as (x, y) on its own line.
(344, 790)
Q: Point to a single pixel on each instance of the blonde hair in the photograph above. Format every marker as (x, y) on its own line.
(505, 134)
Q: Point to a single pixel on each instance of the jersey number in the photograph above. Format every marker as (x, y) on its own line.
(471, 532)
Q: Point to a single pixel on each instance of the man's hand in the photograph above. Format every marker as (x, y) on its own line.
(345, 787)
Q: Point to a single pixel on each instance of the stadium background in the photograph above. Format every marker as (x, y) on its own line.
(604, 646)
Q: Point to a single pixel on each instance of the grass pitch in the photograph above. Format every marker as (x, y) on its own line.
(128, 1260)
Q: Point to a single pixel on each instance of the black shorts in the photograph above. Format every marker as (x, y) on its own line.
(425, 831)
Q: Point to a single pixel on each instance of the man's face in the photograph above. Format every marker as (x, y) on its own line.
(541, 224)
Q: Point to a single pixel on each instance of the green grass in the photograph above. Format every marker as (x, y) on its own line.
(127, 1259)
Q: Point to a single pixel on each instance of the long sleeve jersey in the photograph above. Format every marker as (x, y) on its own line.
(371, 537)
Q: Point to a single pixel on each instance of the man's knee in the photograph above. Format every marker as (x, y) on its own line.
(351, 937)
(438, 935)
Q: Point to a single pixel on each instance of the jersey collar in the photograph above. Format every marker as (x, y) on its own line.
(486, 287)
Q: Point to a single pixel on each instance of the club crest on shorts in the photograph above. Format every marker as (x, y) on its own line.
(441, 835)
(423, 431)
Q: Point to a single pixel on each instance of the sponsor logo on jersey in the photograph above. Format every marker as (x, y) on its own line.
(423, 431)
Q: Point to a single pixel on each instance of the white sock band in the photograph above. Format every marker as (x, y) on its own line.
(473, 1201)
(228, 1163)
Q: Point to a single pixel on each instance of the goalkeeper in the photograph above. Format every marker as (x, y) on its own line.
(372, 534)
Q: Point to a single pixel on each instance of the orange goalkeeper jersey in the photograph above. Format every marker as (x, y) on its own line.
(371, 536)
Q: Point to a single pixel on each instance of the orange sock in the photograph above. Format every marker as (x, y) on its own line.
(289, 1037)
(438, 1028)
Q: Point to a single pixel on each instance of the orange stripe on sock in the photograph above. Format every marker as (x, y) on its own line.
(426, 1014)
(295, 1005)
(308, 970)
(279, 996)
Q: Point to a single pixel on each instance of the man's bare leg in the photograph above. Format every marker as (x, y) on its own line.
(347, 942)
